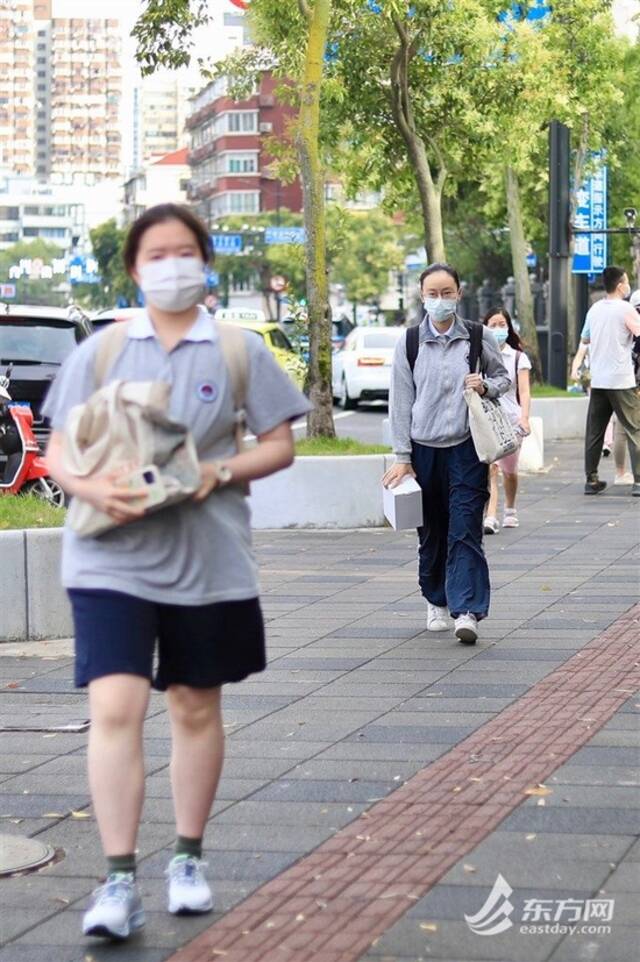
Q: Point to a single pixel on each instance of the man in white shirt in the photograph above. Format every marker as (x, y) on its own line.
(612, 324)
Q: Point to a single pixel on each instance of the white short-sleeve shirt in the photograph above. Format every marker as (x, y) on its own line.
(610, 344)
(509, 400)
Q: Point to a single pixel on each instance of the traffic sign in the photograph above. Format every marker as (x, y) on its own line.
(590, 250)
(227, 243)
(212, 278)
(284, 235)
(278, 283)
(7, 290)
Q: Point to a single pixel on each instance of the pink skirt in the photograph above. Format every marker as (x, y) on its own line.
(509, 465)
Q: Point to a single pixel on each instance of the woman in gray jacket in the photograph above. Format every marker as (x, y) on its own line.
(432, 443)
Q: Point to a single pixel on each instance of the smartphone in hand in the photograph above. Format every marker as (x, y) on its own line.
(148, 479)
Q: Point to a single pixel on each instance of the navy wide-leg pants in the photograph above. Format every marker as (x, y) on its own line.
(453, 570)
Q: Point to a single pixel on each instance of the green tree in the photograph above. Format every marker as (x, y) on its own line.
(624, 176)
(31, 290)
(164, 33)
(363, 250)
(415, 98)
(107, 242)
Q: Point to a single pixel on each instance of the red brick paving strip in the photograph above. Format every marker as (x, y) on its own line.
(332, 904)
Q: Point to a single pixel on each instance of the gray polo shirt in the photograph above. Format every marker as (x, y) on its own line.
(189, 554)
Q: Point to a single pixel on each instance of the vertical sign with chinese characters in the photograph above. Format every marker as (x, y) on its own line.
(590, 250)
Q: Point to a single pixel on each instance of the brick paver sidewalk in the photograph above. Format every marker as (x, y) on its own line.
(380, 779)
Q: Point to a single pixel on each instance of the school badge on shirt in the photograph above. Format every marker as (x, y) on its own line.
(207, 392)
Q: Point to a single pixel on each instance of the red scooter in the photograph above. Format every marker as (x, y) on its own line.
(25, 470)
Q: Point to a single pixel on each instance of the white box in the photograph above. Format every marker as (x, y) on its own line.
(403, 505)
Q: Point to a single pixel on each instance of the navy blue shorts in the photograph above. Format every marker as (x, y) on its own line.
(200, 646)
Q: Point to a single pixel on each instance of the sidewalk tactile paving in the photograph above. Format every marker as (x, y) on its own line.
(336, 901)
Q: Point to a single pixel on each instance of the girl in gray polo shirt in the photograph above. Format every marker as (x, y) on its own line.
(182, 581)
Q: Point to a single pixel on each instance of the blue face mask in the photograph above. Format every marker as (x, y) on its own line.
(500, 333)
(440, 308)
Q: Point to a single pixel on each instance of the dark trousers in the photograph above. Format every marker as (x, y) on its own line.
(625, 404)
(453, 570)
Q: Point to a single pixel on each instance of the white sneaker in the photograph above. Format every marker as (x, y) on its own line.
(510, 520)
(116, 910)
(437, 618)
(626, 478)
(467, 628)
(491, 525)
(189, 892)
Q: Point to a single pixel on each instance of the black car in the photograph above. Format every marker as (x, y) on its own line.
(36, 340)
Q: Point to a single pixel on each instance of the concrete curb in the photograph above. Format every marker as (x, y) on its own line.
(562, 418)
(35, 606)
(322, 492)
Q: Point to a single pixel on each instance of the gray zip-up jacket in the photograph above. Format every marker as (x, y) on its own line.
(429, 407)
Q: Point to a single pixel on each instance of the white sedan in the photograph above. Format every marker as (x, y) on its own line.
(362, 369)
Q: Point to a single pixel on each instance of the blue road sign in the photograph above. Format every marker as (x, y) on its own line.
(83, 270)
(227, 243)
(212, 278)
(590, 250)
(532, 260)
(284, 235)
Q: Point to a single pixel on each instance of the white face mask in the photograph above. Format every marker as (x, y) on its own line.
(440, 308)
(172, 284)
(500, 333)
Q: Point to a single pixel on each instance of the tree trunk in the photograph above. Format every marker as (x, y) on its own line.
(524, 300)
(320, 419)
(429, 190)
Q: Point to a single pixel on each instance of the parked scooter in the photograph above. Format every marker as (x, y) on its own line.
(25, 470)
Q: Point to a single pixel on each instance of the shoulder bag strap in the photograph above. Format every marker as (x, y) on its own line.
(111, 343)
(475, 346)
(412, 345)
(234, 352)
(518, 356)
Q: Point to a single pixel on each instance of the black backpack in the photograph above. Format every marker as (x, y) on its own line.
(475, 349)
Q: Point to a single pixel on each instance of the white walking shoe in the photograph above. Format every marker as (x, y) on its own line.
(189, 892)
(491, 525)
(117, 908)
(437, 618)
(467, 628)
(626, 478)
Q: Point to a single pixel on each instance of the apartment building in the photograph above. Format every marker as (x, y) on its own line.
(17, 101)
(85, 143)
(60, 91)
(164, 180)
(160, 107)
(231, 168)
(31, 210)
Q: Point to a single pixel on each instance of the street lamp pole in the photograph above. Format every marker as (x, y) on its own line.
(559, 146)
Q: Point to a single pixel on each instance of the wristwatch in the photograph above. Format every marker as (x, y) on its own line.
(223, 472)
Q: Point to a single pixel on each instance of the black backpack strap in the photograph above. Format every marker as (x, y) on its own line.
(475, 348)
(412, 345)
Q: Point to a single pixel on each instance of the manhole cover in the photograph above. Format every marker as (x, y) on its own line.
(18, 854)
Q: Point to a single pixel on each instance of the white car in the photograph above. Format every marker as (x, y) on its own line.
(362, 369)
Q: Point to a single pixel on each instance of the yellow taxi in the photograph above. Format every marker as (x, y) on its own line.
(274, 338)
